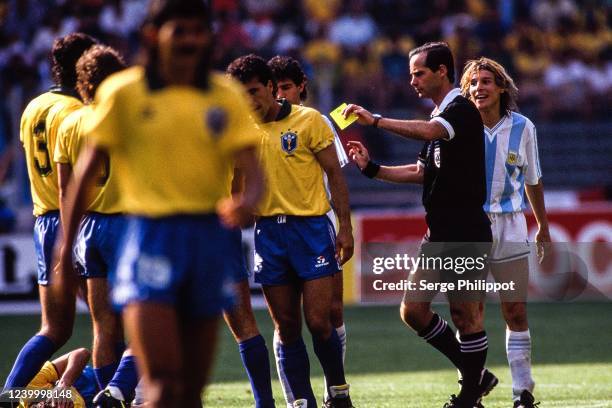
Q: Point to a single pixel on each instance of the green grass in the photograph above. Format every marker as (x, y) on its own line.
(388, 366)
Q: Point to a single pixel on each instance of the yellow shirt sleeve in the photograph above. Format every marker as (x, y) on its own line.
(64, 135)
(321, 135)
(46, 377)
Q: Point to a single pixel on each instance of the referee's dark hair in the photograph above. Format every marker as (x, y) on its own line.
(284, 67)
(249, 67)
(438, 53)
(93, 67)
(64, 55)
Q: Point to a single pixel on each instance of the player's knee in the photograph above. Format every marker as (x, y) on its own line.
(515, 315)
(413, 315)
(466, 320)
(319, 326)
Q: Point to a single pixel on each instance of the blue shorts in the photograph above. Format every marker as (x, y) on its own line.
(289, 248)
(97, 244)
(177, 260)
(45, 231)
(237, 261)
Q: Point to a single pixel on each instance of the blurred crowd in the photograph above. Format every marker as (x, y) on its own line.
(558, 51)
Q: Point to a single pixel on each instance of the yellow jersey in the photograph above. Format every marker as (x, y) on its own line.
(294, 175)
(38, 133)
(46, 379)
(172, 147)
(70, 140)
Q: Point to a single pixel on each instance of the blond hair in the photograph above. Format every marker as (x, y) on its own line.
(508, 98)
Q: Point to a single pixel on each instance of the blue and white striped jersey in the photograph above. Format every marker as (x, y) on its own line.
(512, 160)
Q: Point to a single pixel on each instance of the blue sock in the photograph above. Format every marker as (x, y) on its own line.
(126, 377)
(30, 360)
(294, 369)
(329, 353)
(104, 374)
(254, 354)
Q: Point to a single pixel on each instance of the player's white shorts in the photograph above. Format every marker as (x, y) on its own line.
(509, 236)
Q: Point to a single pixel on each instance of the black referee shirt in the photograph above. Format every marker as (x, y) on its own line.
(454, 185)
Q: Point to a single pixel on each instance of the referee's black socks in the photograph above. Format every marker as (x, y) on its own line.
(474, 348)
(439, 334)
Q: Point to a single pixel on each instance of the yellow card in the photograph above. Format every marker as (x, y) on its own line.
(337, 116)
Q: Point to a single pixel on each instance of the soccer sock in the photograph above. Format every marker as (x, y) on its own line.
(254, 354)
(342, 335)
(125, 378)
(474, 352)
(329, 353)
(518, 350)
(30, 360)
(439, 335)
(294, 371)
(104, 374)
(283, 381)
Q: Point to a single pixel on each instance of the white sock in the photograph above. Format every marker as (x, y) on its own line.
(342, 334)
(139, 393)
(115, 392)
(285, 387)
(518, 350)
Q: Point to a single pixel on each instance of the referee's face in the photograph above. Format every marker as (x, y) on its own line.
(424, 81)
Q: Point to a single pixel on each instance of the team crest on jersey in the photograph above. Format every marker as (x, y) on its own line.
(289, 141)
(216, 120)
(512, 158)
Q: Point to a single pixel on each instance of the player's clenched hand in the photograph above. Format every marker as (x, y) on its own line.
(542, 239)
(233, 213)
(364, 117)
(358, 153)
(344, 245)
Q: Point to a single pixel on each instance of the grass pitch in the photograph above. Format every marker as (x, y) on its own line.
(389, 366)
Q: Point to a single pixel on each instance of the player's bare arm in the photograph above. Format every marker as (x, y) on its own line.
(70, 366)
(238, 210)
(407, 173)
(328, 160)
(410, 129)
(535, 195)
(64, 173)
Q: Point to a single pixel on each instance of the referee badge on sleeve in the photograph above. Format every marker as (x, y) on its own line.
(437, 156)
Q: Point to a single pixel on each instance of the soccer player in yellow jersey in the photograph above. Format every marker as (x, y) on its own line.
(173, 130)
(297, 250)
(292, 86)
(39, 125)
(98, 238)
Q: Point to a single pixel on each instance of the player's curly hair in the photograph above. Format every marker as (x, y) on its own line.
(438, 53)
(64, 55)
(93, 67)
(508, 98)
(284, 67)
(249, 67)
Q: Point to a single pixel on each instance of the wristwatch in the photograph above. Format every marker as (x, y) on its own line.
(376, 117)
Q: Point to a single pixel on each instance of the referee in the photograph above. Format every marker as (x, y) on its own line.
(451, 168)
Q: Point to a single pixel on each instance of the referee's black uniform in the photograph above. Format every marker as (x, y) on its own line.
(454, 185)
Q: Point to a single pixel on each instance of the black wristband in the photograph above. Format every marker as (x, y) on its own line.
(371, 169)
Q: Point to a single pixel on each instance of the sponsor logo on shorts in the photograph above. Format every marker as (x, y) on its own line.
(257, 262)
(321, 261)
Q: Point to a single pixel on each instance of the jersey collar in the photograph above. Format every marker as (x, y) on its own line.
(284, 111)
(156, 83)
(455, 92)
(65, 91)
